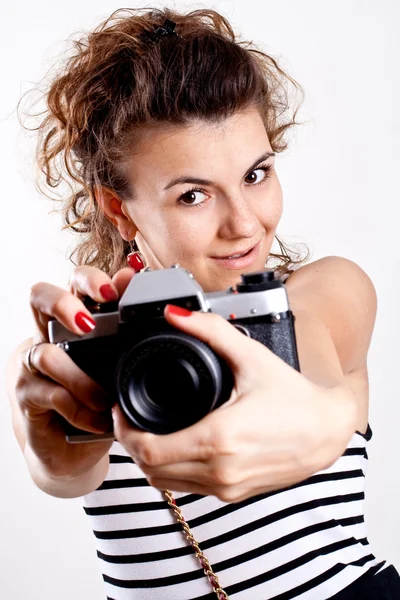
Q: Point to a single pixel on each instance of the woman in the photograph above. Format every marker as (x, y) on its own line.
(169, 126)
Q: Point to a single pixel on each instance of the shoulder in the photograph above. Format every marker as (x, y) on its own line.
(338, 292)
(332, 271)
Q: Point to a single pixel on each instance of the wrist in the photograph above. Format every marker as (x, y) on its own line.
(65, 485)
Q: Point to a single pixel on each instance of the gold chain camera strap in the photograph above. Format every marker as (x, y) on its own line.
(212, 578)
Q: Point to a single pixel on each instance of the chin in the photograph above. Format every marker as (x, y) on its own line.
(226, 279)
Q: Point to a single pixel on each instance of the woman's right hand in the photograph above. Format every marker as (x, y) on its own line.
(57, 385)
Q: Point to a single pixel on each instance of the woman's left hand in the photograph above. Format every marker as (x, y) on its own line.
(278, 427)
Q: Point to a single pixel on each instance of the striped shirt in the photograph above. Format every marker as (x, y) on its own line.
(307, 541)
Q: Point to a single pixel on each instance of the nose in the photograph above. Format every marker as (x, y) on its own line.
(239, 219)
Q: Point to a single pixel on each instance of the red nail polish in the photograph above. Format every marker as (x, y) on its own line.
(85, 322)
(135, 261)
(108, 293)
(178, 310)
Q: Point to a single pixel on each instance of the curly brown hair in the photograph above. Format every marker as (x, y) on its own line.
(117, 80)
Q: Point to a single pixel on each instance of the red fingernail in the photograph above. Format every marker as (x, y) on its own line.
(135, 261)
(84, 322)
(178, 310)
(107, 292)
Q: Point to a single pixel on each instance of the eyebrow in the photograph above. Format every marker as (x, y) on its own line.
(199, 181)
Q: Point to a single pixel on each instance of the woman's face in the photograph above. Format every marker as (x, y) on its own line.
(203, 194)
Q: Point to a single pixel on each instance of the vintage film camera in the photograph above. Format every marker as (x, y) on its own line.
(163, 379)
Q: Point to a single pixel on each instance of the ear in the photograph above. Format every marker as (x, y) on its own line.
(111, 206)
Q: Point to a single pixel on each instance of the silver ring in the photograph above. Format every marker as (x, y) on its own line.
(31, 368)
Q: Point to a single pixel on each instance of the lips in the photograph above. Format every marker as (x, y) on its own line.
(245, 260)
(235, 254)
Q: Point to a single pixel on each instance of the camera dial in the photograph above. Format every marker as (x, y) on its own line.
(256, 282)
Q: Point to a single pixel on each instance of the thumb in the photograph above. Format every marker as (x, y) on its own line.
(227, 341)
(122, 278)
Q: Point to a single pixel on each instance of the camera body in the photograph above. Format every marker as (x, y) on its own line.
(163, 379)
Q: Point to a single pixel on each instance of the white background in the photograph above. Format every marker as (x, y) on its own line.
(340, 183)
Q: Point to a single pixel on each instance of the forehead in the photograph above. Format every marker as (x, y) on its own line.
(238, 139)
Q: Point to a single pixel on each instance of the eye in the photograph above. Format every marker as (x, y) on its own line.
(190, 198)
(265, 172)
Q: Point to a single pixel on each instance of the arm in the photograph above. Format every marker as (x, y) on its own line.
(11, 378)
(335, 304)
(59, 486)
(66, 487)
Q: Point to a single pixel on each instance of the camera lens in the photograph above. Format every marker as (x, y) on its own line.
(167, 369)
(171, 380)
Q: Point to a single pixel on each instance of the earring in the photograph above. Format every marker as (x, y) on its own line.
(135, 259)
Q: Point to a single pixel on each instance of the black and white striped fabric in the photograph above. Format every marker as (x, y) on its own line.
(306, 542)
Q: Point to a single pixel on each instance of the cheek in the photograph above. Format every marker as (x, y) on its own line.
(278, 209)
(271, 207)
(152, 227)
(193, 235)
(175, 233)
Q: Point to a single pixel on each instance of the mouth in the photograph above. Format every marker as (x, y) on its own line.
(239, 259)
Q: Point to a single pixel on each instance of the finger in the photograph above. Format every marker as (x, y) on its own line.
(250, 488)
(224, 494)
(228, 495)
(227, 341)
(221, 472)
(91, 281)
(49, 301)
(122, 278)
(52, 362)
(200, 441)
(175, 485)
(37, 396)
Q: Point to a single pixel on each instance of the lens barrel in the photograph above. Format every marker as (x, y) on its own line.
(170, 380)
